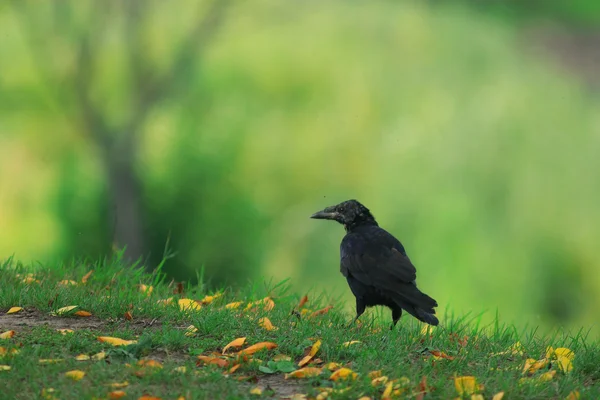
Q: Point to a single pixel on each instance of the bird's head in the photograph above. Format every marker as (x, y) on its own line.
(350, 213)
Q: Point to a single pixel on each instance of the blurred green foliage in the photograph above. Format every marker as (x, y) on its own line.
(480, 157)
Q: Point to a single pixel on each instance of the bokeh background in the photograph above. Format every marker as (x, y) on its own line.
(471, 129)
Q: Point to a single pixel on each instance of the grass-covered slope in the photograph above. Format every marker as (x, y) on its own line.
(184, 330)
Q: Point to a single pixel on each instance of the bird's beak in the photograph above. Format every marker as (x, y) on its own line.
(325, 215)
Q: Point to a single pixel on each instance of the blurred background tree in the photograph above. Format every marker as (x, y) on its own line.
(223, 126)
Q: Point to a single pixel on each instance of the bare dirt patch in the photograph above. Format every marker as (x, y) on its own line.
(282, 388)
(30, 318)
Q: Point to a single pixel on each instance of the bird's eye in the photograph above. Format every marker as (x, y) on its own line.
(341, 209)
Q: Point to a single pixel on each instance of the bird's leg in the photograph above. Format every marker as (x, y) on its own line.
(360, 309)
(396, 314)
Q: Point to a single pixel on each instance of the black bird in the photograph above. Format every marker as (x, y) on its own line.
(376, 265)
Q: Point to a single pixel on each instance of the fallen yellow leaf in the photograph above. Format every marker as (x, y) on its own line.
(239, 342)
(388, 390)
(118, 385)
(7, 334)
(67, 282)
(547, 376)
(350, 343)
(343, 373)
(165, 302)
(304, 373)
(13, 310)
(5, 368)
(48, 394)
(182, 369)
(190, 331)
(99, 356)
(375, 374)
(146, 397)
(188, 305)
(146, 289)
(149, 363)
(564, 364)
(75, 374)
(116, 394)
(498, 396)
(50, 360)
(380, 380)
(63, 310)
(5, 353)
(82, 313)
(82, 357)
(364, 398)
(560, 351)
(332, 366)
(257, 347)
(477, 397)
(210, 299)
(115, 341)
(313, 351)
(234, 368)
(256, 390)
(266, 323)
(282, 357)
(234, 305)
(65, 331)
(465, 385)
(574, 395)
(86, 277)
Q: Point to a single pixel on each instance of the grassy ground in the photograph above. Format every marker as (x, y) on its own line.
(413, 363)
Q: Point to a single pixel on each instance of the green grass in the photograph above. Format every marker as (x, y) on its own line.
(160, 331)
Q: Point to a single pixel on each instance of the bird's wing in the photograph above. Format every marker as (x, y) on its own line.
(375, 258)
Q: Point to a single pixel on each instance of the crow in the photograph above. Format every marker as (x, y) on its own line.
(376, 266)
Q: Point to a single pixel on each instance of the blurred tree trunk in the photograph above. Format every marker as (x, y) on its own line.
(125, 195)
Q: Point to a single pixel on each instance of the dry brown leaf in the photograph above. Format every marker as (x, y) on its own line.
(257, 347)
(304, 373)
(239, 342)
(438, 355)
(82, 313)
(116, 394)
(146, 397)
(213, 361)
(422, 388)
(128, 316)
(234, 368)
(321, 311)
(115, 341)
(303, 301)
(86, 277)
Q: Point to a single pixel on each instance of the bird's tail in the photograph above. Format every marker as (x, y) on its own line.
(426, 317)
